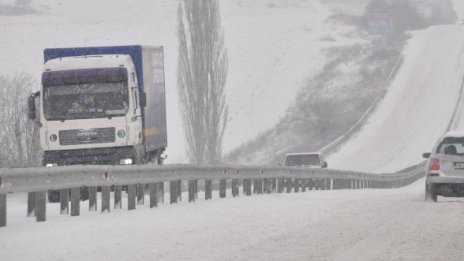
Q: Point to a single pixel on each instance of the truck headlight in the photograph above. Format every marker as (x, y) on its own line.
(125, 162)
(53, 138)
(121, 134)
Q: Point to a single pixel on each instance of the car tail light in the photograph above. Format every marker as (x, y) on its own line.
(434, 164)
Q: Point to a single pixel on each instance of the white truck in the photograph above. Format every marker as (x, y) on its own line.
(101, 105)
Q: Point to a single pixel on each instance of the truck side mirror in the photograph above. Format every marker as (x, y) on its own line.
(31, 106)
(143, 99)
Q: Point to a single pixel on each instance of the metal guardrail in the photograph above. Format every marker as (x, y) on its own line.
(142, 180)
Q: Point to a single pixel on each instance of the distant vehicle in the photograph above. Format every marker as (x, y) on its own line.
(445, 167)
(305, 159)
(461, 21)
(101, 105)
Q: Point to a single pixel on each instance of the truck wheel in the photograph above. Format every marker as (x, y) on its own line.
(84, 193)
(53, 196)
(139, 158)
(430, 193)
(159, 160)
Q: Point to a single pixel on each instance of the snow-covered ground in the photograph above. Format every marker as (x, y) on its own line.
(273, 47)
(392, 224)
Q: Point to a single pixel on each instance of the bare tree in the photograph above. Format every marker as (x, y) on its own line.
(202, 73)
(18, 135)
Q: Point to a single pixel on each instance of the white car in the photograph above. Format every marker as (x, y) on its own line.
(445, 167)
(305, 159)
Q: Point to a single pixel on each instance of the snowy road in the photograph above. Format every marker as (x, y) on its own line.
(319, 225)
(417, 108)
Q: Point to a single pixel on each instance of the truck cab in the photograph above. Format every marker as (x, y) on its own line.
(93, 107)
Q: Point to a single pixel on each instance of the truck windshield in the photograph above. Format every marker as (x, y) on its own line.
(302, 160)
(67, 98)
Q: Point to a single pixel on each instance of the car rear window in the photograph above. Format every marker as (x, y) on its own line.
(451, 145)
(303, 159)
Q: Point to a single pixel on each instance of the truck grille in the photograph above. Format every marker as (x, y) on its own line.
(75, 137)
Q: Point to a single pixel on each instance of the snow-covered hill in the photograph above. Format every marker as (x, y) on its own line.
(273, 46)
(418, 106)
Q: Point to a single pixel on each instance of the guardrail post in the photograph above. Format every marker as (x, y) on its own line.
(191, 191)
(140, 194)
(117, 197)
(320, 184)
(311, 184)
(304, 183)
(31, 204)
(172, 192)
(208, 189)
(2, 210)
(258, 186)
(92, 198)
(222, 188)
(289, 183)
(267, 186)
(296, 185)
(247, 187)
(196, 189)
(280, 185)
(161, 192)
(331, 184)
(41, 206)
(273, 185)
(105, 199)
(179, 190)
(131, 193)
(64, 202)
(75, 201)
(153, 187)
(235, 192)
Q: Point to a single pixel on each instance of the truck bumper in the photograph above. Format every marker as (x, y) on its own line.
(97, 156)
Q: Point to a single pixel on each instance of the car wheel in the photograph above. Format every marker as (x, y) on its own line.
(430, 193)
